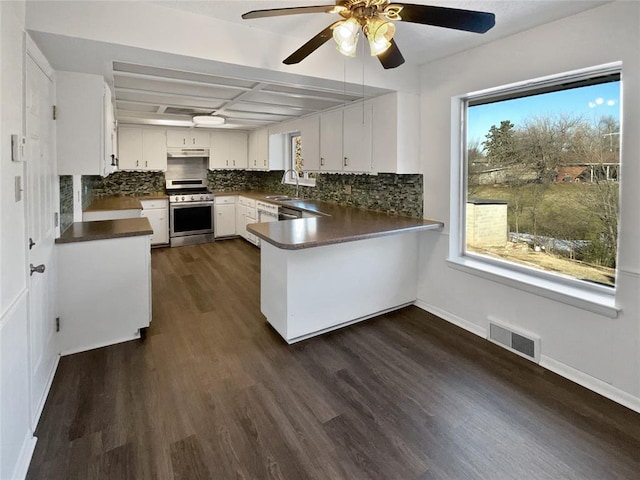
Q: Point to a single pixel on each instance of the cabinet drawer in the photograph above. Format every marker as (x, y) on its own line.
(247, 202)
(225, 200)
(149, 204)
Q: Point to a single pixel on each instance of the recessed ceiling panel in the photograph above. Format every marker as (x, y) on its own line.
(155, 99)
(273, 109)
(286, 100)
(150, 72)
(169, 87)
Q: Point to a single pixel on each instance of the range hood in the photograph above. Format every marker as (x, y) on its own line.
(187, 152)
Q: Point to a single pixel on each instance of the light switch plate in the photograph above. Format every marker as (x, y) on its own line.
(17, 147)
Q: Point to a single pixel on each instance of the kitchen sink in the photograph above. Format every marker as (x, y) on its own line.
(278, 197)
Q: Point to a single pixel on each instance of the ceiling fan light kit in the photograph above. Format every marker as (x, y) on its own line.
(375, 18)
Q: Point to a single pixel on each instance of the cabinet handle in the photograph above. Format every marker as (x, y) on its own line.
(321, 161)
(255, 162)
(146, 164)
(137, 163)
(227, 163)
(346, 162)
(234, 163)
(193, 141)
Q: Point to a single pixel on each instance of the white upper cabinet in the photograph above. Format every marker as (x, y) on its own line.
(84, 124)
(396, 133)
(259, 149)
(229, 150)
(187, 138)
(142, 148)
(330, 141)
(309, 129)
(356, 140)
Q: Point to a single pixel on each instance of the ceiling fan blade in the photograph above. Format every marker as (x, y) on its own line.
(311, 46)
(458, 19)
(391, 58)
(276, 12)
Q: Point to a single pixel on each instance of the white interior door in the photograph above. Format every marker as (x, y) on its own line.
(41, 182)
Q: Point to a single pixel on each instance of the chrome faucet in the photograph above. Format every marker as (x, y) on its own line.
(284, 178)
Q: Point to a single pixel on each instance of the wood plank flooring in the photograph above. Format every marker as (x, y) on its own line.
(214, 393)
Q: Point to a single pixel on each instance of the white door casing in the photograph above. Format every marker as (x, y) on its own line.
(40, 196)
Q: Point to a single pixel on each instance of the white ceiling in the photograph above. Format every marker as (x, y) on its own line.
(419, 43)
(162, 87)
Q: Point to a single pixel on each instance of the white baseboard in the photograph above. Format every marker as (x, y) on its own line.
(38, 412)
(24, 459)
(594, 384)
(86, 348)
(460, 322)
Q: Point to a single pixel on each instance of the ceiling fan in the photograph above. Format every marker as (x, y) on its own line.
(375, 18)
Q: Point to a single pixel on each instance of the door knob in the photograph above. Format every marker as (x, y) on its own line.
(38, 269)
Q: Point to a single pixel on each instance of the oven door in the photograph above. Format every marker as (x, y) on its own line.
(191, 218)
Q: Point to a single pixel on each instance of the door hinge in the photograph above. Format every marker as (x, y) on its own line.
(57, 324)
(54, 112)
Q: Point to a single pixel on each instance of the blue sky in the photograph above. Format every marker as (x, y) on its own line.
(591, 102)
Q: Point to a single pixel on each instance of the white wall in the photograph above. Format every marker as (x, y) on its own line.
(16, 442)
(600, 352)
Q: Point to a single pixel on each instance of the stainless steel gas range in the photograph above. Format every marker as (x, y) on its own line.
(190, 212)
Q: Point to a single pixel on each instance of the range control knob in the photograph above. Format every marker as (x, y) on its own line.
(182, 199)
(202, 197)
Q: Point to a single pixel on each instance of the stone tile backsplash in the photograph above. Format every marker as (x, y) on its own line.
(386, 192)
(66, 201)
(129, 183)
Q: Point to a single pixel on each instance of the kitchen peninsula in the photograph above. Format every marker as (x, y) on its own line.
(341, 267)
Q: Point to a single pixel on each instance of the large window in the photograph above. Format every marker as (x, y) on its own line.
(541, 178)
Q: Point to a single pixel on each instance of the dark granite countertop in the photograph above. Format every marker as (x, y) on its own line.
(123, 202)
(106, 229)
(335, 224)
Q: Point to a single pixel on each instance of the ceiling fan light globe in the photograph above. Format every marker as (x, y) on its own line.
(346, 34)
(379, 33)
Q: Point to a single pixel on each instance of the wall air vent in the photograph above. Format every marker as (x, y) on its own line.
(523, 343)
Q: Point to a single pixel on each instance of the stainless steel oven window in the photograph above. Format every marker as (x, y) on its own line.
(191, 218)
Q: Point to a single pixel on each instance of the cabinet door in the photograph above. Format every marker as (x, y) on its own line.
(357, 138)
(225, 220)
(218, 155)
(241, 221)
(199, 139)
(238, 146)
(177, 138)
(228, 150)
(159, 220)
(331, 141)
(310, 137)
(130, 148)
(259, 149)
(154, 150)
(80, 123)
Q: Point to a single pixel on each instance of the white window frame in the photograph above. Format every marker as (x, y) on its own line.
(288, 155)
(592, 297)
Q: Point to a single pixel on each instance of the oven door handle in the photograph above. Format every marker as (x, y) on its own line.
(191, 204)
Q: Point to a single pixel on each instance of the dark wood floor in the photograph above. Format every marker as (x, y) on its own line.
(213, 392)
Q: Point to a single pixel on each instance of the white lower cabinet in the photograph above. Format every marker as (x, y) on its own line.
(157, 212)
(248, 207)
(225, 216)
(104, 292)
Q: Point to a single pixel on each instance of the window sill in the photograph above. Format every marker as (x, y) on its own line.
(304, 182)
(597, 299)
